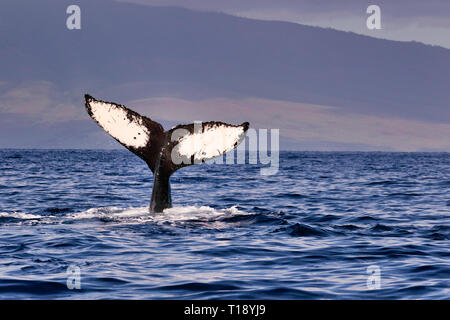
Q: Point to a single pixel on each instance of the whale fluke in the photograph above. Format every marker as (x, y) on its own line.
(164, 151)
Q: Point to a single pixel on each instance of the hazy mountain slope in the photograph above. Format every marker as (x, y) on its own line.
(124, 43)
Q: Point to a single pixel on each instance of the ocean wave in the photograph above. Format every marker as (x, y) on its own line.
(19, 216)
(308, 232)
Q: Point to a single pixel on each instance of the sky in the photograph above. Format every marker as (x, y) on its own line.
(403, 20)
(325, 90)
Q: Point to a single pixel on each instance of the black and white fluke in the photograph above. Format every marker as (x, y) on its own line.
(164, 151)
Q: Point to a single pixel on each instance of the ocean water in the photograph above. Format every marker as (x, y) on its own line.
(312, 231)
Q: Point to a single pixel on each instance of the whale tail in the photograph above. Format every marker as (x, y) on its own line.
(164, 151)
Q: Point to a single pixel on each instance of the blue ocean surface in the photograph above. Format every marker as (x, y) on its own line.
(315, 230)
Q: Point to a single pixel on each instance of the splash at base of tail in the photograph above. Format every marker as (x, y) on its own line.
(164, 151)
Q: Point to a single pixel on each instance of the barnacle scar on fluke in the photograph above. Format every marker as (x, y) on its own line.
(164, 151)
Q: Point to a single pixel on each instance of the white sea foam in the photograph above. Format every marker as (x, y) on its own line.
(109, 212)
(201, 216)
(142, 213)
(204, 215)
(194, 212)
(19, 215)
